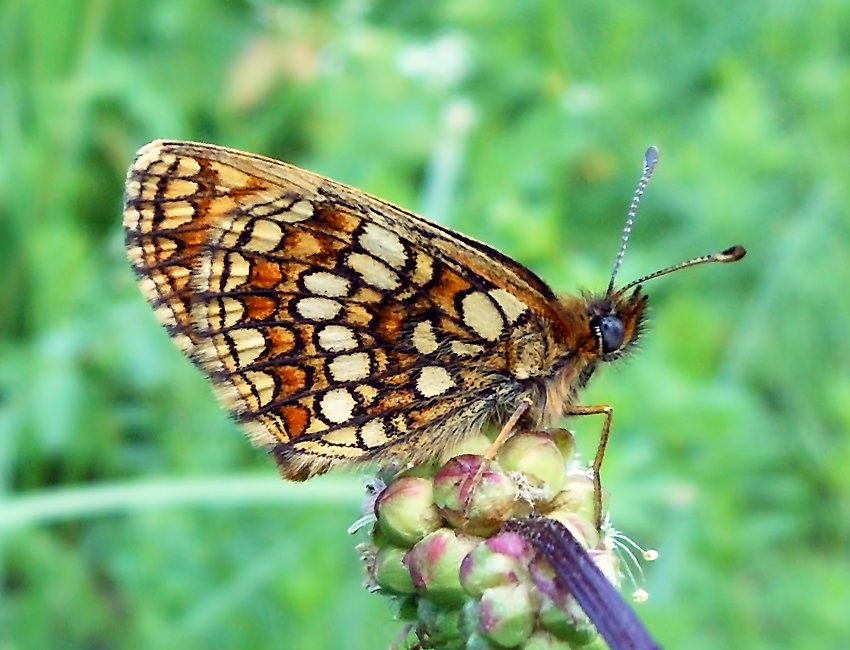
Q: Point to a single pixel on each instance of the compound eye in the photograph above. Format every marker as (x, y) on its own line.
(613, 332)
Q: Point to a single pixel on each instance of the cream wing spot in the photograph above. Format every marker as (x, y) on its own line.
(367, 393)
(346, 437)
(336, 338)
(233, 311)
(480, 314)
(177, 214)
(299, 211)
(180, 188)
(318, 308)
(323, 283)
(423, 271)
(262, 384)
(233, 224)
(326, 450)
(151, 155)
(512, 307)
(400, 423)
(466, 349)
(265, 236)
(230, 176)
(433, 381)
(316, 426)
(187, 167)
(373, 271)
(337, 405)
(249, 344)
(384, 245)
(373, 434)
(349, 367)
(238, 269)
(424, 339)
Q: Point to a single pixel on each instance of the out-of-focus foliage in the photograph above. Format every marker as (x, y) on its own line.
(521, 123)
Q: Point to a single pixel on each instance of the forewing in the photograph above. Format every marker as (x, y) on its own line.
(336, 326)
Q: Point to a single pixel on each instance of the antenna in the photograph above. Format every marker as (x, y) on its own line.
(650, 162)
(732, 254)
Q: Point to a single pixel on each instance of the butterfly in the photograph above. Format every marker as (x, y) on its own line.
(341, 329)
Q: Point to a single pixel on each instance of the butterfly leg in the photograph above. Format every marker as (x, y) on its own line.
(506, 431)
(608, 412)
(504, 434)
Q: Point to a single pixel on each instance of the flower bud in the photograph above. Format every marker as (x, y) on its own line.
(439, 624)
(582, 528)
(500, 560)
(507, 614)
(457, 578)
(543, 640)
(577, 496)
(568, 624)
(389, 571)
(566, 442)
(536, 456)
(406, 511)
(477, 445)
(478, 509)
(434, 565)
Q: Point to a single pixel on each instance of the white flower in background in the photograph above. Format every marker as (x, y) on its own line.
(441, 63)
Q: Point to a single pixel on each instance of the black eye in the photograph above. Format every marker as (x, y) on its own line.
(612, 332)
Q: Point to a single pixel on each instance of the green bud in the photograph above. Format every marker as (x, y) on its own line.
(536, 456)
(542, 640)
(470, 614)
(390, 573)
(507, 614)
(438, 624)
(568, 623)
(478, 642)
(566, 442)
(577, 496)
(476, 445)
(406, 511)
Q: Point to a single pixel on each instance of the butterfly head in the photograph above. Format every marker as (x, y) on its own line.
(616, 319)
(616, 322)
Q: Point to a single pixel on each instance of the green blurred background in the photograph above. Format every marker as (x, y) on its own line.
(133, 514)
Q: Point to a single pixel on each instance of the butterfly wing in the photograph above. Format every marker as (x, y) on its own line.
(336, 326)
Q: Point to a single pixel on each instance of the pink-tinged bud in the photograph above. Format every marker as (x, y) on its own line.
(560, 614)
(498, 561)
(536, 456)
(434, 565)
(390, 573)
(507, 614)
(406, 511)
(543, 577)
(478, 509)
